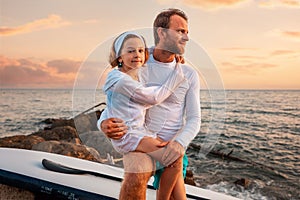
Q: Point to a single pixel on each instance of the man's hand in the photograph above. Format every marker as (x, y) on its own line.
(114, 128)
(173, 151)
(179, 59)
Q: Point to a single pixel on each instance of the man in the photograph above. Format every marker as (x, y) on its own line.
(176, 120)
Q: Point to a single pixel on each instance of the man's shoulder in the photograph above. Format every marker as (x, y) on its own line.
(187, 69)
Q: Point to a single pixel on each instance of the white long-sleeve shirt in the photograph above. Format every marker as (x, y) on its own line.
(128, 99)
(178, 117)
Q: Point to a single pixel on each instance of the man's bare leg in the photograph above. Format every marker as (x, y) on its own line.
(138, 170)
(170, 180)
(171, 175)
(179, 192)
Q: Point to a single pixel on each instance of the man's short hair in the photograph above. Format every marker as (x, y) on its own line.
(163, 20)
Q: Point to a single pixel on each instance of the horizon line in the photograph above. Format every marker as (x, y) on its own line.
(204, 89)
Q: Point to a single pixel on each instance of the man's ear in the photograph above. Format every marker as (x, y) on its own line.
(161, 32)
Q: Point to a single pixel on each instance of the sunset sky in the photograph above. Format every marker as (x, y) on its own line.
(253, 44)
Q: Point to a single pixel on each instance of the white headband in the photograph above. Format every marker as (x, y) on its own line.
(119, 41)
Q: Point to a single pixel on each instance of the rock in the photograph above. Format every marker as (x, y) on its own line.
(189, 179)
(67, 149)
(95, 153)
(98, 141)
(48, 121)
(83, 122)
(58, 123)
(86, 123)
(9, 192)
(21, 141)
(60, 138)
(62, 133)
(243, 182)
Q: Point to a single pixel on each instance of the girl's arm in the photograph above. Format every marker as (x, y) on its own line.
(153, 94)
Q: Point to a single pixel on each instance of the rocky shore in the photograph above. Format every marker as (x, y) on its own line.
(62, 136)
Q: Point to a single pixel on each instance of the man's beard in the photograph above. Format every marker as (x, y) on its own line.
(173, 47)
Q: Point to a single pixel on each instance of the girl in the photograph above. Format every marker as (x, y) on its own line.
(128, 99)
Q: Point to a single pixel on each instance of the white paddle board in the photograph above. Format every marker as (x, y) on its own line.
(23, 168)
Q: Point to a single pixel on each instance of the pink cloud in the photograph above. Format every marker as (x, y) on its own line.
(291, 34)
(249, 57)
(238, 49)
(207, 4)
(26, 73)
(52, 21)
(280, 3)
(216, 4)
(250, 68)
(64, 66)
(91, 21)
(18, 74)
(291, 2)
(212, 4)
(285, 34)
(282, 52)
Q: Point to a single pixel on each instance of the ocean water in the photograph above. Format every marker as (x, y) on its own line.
(261, 128)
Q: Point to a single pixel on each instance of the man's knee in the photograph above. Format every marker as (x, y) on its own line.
(136, 162)
(137, 180)
(178, 163)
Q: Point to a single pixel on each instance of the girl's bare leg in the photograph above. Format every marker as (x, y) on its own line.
(149, 144)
